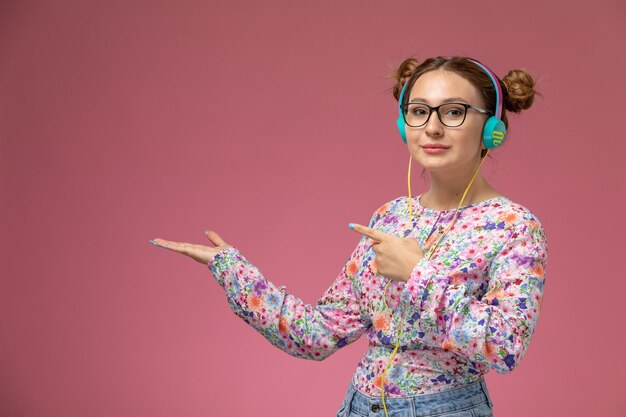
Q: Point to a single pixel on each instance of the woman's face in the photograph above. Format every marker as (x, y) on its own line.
(439, 148)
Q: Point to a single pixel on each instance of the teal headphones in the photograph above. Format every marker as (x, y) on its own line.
(494, 131)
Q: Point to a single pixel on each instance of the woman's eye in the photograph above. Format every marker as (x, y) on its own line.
(454, 112)
(418, 111)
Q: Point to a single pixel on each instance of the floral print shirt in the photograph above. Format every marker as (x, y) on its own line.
(472, 306)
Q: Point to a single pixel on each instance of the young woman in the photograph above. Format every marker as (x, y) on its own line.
(445, 285)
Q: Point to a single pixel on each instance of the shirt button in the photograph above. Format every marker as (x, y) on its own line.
(375, 408)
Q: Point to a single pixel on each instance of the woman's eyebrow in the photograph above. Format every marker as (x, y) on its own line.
(448, 100)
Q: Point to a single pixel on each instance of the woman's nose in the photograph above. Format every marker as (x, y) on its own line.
(434, 127)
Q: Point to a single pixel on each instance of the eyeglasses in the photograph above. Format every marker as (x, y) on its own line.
(450, 114)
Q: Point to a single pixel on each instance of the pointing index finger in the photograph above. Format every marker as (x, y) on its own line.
(373, 234)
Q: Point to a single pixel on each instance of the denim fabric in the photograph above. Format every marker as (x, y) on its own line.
(471, 400)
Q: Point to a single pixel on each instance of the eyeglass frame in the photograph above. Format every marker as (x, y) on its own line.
(436, 110)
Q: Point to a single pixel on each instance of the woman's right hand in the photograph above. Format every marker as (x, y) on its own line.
(199, 253)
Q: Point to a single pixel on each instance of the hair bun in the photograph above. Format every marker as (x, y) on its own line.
(520, 90)
(402, 74)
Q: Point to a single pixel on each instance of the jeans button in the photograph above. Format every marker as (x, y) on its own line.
(375, 408)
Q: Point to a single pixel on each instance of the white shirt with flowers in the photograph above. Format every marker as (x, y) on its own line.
(471, 307)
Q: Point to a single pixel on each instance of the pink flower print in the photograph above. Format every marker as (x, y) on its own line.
(469, 253)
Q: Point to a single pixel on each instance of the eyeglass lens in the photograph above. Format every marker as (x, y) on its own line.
(451, 115)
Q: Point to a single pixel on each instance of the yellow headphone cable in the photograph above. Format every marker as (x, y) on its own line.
(431, 251)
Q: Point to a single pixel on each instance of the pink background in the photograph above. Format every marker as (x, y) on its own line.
(273, 124)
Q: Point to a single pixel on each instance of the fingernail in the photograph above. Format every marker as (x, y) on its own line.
(158, 245)
(351, 226)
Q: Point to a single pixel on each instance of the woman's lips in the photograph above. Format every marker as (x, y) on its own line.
(434, 150)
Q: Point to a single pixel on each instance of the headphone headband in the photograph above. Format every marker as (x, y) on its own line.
(496, 85)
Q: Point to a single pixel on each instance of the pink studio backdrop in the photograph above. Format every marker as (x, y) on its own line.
(273, 124)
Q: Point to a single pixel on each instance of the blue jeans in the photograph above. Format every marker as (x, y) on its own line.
(471, 400)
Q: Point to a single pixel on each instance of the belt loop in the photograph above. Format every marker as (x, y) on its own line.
(483, 385)
(412, 412)
(345, 411)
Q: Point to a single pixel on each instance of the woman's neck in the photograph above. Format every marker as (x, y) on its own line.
(446, 191)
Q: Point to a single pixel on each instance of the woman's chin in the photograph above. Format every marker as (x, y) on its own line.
(432, 163)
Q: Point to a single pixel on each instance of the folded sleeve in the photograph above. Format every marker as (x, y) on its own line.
(302, 330)
(494, 329)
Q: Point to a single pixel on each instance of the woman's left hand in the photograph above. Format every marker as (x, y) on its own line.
(395, 256)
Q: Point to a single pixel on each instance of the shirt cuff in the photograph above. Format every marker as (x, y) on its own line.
(424, 292)
(223, 262)
(415, 289)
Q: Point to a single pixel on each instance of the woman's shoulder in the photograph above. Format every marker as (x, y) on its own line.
(505, 213)
(519, 221)
(522, 214)
(393, 208)
(396, 205)
(392, 205)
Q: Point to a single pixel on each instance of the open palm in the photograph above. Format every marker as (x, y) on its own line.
(199, 253)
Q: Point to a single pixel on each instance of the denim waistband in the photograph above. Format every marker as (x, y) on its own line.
(455, 399)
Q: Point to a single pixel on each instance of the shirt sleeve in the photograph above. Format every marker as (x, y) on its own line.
(496, 329)
(302, 330)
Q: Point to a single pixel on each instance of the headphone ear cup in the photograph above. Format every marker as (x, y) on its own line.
(401, 128)
(400, 120)
(494, 133)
